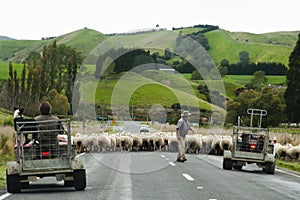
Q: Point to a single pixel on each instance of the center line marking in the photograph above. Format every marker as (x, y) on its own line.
(188, 177)
(163, 156)
(4, 196)
(171, 163)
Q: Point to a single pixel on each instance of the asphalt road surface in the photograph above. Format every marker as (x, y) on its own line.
(156, 175)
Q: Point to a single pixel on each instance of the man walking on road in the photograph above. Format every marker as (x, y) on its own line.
(181, 131)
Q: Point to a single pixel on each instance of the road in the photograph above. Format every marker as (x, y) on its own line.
(156, 175)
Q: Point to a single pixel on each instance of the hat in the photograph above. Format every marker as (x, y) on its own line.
(185, 113)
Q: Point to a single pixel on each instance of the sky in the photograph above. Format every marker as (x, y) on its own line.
(34, 19)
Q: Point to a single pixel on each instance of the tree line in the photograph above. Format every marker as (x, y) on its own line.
(49, 75)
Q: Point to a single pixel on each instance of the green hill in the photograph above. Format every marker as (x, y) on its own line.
(16, 50)
(269, 47)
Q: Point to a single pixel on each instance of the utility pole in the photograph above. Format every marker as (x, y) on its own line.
(132, 107)
(84, 104)
(83, 120)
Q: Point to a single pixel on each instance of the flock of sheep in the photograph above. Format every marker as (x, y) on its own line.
(151, 142)
(287, 152)
(162, 141)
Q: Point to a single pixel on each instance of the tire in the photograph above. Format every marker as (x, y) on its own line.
(227, 164)
(25, 185)
(13, 183)
(69, 183)
(239, 167)
(270, 168)
(79, 179)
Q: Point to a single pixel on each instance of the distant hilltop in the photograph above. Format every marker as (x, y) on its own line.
(5, 38)
(138, 31)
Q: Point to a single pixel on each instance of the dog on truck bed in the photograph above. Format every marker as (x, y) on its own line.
(18, 117)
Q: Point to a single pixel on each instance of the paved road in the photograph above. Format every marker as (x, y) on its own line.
(155, 175)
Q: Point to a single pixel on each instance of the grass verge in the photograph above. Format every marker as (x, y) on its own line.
(294, 166)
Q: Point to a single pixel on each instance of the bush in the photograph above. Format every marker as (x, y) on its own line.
(8, 122)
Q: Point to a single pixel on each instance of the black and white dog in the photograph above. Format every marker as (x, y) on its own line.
(18, 117)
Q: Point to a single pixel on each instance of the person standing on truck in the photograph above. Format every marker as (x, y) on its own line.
(181, 131)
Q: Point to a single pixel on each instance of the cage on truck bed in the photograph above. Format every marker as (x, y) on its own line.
(251, 145)
(49, 152)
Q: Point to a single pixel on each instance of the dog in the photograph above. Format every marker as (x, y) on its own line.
(18, 117)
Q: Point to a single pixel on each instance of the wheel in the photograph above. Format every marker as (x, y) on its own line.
(13, 183)
(25, 185)
(68, 183)
(237, 166)
(270, 168)
(79, 179)
(227, 164)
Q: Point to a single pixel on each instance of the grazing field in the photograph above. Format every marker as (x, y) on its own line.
(225, 45)
(4, 69)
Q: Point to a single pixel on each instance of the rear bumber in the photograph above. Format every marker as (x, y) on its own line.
(249, 157)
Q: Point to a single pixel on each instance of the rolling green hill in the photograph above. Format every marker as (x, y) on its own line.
(84, 40)
(270, 47)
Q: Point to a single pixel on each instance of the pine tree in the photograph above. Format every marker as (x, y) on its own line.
(292, 93)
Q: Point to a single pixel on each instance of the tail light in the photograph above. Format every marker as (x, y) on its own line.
(252, 146)
(45, 153)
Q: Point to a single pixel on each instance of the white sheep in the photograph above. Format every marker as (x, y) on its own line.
(104, 143)
(293, 153)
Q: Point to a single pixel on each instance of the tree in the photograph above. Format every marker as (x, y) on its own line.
(292, 95)
(59, 102)
(168, 54)
(196, 75)
(224, 63)
(258, 81)
(244, 58)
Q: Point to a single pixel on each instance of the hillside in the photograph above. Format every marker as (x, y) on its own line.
(269, 47)
(84, 40)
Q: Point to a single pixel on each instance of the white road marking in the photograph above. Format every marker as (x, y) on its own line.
(167, 159)
(288, 173)
(4, 196)
(188, 177)
(163, 156)
(199, 188)
(171, 163)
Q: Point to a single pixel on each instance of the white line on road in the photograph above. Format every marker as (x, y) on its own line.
(199, 188)
(4, 196)
(288, 173)
(171, 163)
(163, 156)
(188, 177)
(167, 159)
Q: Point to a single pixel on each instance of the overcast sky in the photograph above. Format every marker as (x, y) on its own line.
(34, 19)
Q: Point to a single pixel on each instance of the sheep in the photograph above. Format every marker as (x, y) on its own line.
(173, 144)
(206, 144)
(126, 143)
(104, 143)
(113, 141)
(80, 143)
(93, 143)
(215, 146)
(137, 142)
(281, 151)
(226, 143)
(293, 153)
(193, 144)
(147, 144)
(158, 142)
